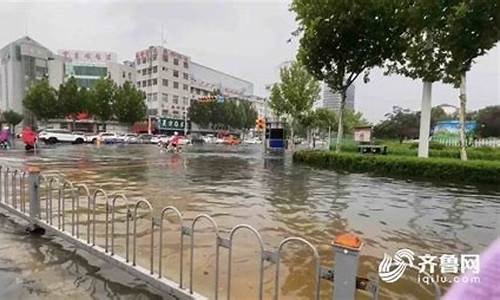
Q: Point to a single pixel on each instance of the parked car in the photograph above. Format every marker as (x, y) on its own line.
(155, 139)
(231, 140)
(253, 140)
(131, 138)
(105, 137)
(52, 136)
(145, 138)
(209, 139)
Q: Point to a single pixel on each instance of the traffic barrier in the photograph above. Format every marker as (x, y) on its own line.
(345, 248)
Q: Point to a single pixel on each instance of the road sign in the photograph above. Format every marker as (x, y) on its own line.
(171, 124)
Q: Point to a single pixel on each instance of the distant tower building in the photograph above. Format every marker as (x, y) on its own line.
(331, 100)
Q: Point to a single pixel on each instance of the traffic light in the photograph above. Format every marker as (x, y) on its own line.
(207, 98)
(260, 123)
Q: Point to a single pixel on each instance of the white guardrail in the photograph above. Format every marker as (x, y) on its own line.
(29, 194)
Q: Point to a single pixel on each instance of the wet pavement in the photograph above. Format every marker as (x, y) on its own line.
(238, 185)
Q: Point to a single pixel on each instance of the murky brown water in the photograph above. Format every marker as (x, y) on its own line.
(237, 185)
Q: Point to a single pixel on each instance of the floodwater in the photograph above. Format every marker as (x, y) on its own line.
(238, 185)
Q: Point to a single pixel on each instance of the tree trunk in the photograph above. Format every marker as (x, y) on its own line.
(425, 120)
(463, 100)
(292, 143)
(340, 131)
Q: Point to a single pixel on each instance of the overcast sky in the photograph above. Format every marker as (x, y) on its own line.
(245, 39)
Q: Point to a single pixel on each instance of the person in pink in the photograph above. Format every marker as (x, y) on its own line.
(29, 138)
(174, 142)
(488, 286)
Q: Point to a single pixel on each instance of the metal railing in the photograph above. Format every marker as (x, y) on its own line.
(346, 257)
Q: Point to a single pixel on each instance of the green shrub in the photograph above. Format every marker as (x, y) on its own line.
(436, 150)
(475, 171)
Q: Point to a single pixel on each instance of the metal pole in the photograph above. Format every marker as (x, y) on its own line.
(34, 196)
(346, 249)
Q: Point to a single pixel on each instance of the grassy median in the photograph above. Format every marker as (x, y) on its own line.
(443, 169)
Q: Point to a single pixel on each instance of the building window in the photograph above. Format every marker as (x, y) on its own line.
(149, 82)
(163, 68)
(152, 112)
(176, 61)
(164, 97)
(144, 83)
(165, 56)
(198, 91)
(155, 69)
(154, 97)
(185, 75)
(155, 81)
(138, 83)
(185, 101)
(123, 74)
(186, 64)
(129, 75)
(144, 60)
(185, 87)
(144, 71)
(164, 112)
(176, 85)
(176, 73)
(164, 82)
(175, 99)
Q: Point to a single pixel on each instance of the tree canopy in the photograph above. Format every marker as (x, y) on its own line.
(102, 99)
(295, 94)
(12, 118)
(344, 39)
(129, 106)
(231, 114)
(488, 120)
(41, 100)
(69, 100)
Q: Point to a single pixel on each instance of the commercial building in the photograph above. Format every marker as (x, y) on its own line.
(164, 76)
(89, 66)
(22, 62)
(171, 81)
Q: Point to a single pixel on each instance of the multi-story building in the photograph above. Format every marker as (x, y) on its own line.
(89, 66)
(164, 76)
(331, 100)
(22, 62)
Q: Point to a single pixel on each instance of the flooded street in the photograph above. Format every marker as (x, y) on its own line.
(238, 185)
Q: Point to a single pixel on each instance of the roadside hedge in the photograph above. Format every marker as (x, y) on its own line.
(475, 171)
(436, 150)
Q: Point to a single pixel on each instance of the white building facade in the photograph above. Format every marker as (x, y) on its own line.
(22, 63)
(164, 76)
(89, 66)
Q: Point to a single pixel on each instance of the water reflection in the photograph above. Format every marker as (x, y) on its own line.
(239, 185)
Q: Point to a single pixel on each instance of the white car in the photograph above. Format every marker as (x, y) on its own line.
(130, 138)
(105, 137)
(252, 141)
(155, 139)
(52, 136)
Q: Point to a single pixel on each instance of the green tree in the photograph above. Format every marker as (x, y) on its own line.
(423, 57)
(129, 106)
(352, 120)
(200, 113)
(41, 101)
(295, 94)
(343, 39)
(277, 103)
(12, 118)
(488, 120)
(102, 96)
(69, 98)
(472, 28)
(400, 124)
